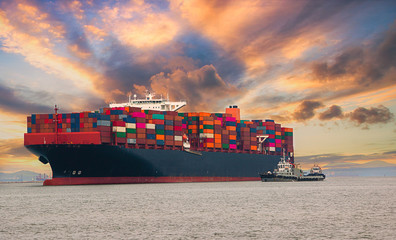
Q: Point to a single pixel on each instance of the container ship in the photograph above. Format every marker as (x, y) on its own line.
(149, 141)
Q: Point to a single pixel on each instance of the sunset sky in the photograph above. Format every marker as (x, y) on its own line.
(325, 68)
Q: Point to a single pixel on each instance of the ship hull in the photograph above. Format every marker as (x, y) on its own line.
(108, 164)
(274, 178)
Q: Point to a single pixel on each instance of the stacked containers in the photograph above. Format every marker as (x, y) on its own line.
(104, 127)
(287, 139)
(169, 130)
(253, 136)
(159, 121)
(119, 131)
(217, 128)
(206, 130)
(230, 124)
(270, 131)
(140, 127)
(130, 125)
(278, 139)
(178, 131)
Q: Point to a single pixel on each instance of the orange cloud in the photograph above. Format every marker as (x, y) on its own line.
(95, 32)
(137, 25)
(250, 30)
(37, 46)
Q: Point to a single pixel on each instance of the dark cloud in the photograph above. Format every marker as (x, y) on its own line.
(124, 66)
(11, 102)
(349, 62)
(380, 114)
(203, 88)
(361, 69)
(333, 112)
(306, 110)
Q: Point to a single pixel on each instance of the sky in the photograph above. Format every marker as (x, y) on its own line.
(325, 68)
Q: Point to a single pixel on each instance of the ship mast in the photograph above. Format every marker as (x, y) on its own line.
(56, 123)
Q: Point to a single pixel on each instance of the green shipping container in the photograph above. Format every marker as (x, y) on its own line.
(158, 116)
(159, 131)
(225, 146)
(200, 130)
(121, 134)
(131, 130)
(277, 136)
(208, 126)
(288, 134)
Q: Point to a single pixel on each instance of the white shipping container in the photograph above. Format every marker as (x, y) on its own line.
(119, 129)
(206, 135)
(272, 149)
(130, 125)
(178, 138)
(103, 123)
(131, 140)
(150, 126)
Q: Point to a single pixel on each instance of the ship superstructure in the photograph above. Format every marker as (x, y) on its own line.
(151, 103)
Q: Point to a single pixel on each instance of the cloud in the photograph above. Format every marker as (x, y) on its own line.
(359, 69)
(373, 115)
(11, 102)
(13, 148)
(345, 161)
(332, 112)
(29, 31)
(233, 26)
(306, 110)
(203, 88)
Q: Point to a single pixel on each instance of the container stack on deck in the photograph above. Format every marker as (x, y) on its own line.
(133, 127)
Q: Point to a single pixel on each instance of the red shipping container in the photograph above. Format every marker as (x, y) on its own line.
(118, 123)
(158, 121)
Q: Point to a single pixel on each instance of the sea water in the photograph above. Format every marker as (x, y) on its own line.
(337, 208)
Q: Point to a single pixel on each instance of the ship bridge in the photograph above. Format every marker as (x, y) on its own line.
(151, 103)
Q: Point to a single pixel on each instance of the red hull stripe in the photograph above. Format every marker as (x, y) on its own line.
(121, 180)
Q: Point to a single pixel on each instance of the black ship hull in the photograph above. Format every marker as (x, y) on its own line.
(277, 178)
(107, 164)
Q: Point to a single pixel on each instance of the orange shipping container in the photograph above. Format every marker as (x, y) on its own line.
(217, 136)
(208, 131)
(233, 137)
(254, 148)
(231, 128)
(218, 145)
(209, 145)
(160, 137)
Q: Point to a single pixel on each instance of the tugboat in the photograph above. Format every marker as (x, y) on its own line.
(288, 172)
(316, 171)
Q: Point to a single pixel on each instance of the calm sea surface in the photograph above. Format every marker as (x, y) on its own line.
(338, 208)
